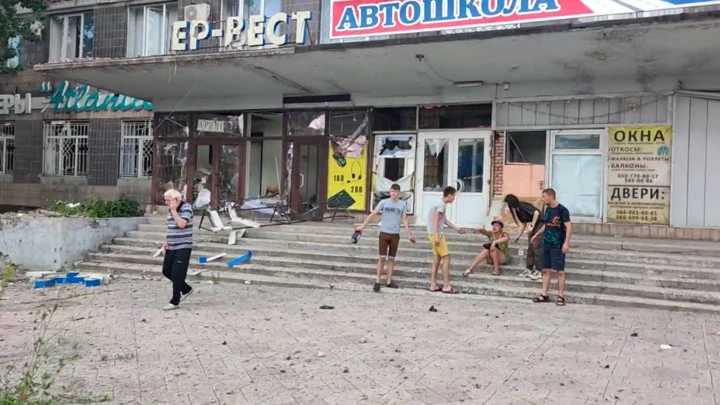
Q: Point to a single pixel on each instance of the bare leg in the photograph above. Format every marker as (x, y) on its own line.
(446, 273)
(497, 258)
(479, 259)
(380, 267)
(390, 268)
(434, 272)
(546, 274)
(561, 283)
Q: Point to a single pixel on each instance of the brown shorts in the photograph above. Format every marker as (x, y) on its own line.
(388, 243)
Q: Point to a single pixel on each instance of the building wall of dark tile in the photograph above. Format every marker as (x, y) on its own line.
(312, 35)
(28, 151)
(110, 32)
(104, 150)
(35, 51)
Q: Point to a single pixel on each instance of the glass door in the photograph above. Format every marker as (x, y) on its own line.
(216, 175)
(459, 159)
(576, 172)
(308, 169)
(473, 162)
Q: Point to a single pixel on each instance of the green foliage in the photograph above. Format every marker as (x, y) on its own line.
(12, 25)
(96, 207)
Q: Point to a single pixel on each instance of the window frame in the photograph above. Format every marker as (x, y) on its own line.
(141, 140)
(4, 138)
(165, 39)
(64, 34)
(59, 154)
(14, 62)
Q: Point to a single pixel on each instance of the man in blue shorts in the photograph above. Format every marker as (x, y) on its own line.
(556, 233)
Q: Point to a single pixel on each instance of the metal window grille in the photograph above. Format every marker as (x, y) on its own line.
(7, 147)
(66, 148)
(136, 153)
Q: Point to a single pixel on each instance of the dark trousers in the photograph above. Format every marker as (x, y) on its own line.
(534, 250)
(175, 268)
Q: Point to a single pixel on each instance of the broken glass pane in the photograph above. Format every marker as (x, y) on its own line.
(229, 174)
(306, 123)
(171, 168)
(219, 125)
(436, 165)
(171, 126)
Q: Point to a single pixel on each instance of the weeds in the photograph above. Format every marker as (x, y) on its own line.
(9, 274)
(96, 207)
(37, 379)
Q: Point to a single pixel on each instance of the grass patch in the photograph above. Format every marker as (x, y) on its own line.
(96, 207)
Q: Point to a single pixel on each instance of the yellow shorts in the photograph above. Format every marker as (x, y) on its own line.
(440, 249)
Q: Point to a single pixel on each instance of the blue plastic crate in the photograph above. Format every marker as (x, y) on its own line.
(75, 280)
(60, 280)
(44, 283)
(72, 274)
(93, 282)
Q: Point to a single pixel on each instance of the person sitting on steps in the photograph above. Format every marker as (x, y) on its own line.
(496, 252)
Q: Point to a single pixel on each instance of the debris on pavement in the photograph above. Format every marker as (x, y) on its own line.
(665, 347)
(433, 309)
(634, 334)
(204, 259)
(327, 307)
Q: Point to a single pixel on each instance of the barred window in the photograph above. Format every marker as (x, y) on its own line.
(7, 147)
(136, 152)
(66, 148)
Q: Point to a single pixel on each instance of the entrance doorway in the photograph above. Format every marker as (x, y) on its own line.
(575, 172)
(460, 159)
(217, 168)
(309, 171)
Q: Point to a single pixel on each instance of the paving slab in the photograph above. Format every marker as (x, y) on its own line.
(249, 344)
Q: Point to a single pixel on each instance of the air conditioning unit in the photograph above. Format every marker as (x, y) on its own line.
(197, 12)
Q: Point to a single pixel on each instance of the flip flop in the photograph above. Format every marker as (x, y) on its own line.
(451, 291)
(438, 289)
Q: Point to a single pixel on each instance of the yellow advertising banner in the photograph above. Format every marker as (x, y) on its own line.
(347, 181)
(639, 205)
(640, 156)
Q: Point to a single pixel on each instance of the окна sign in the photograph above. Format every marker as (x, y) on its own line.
(15, 104)
(186, 35)
(362, 18)
(639, 174)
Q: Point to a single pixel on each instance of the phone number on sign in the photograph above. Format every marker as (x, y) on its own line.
(636, 215)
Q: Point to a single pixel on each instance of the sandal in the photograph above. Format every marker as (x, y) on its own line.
(560, 301)
(467, 272)
(438, 289)
(452, 290)
(541, 298)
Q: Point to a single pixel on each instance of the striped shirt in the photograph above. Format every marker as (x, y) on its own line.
(180, 238)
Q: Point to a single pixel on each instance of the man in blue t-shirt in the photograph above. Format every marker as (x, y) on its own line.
(394, 214)
(556, 233)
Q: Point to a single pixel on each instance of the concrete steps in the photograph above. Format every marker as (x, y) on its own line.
(607, 271)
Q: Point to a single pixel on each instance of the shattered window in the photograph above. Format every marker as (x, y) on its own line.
(525, 147)
(435, 176)
(171, 174)
(455, 116)
(306, 123)
(229, 173)
(72, 36)
(219, 125)
(395, 119)
(171, 126)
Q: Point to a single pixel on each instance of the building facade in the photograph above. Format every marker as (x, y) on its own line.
(325, 103)
(66, 140)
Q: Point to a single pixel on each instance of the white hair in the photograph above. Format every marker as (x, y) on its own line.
(173, 194)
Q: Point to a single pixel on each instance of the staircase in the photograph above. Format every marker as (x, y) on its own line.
(677, 275)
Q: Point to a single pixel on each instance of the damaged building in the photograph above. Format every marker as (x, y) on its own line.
(323, 104)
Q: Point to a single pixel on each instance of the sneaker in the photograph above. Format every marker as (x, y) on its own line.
(182, 298)
(170, 307)
(535, 275)
(376, 287)
(524, 273)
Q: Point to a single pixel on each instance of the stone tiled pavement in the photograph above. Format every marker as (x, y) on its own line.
(239, 344)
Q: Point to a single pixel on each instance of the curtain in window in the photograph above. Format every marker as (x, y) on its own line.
(577, 180)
